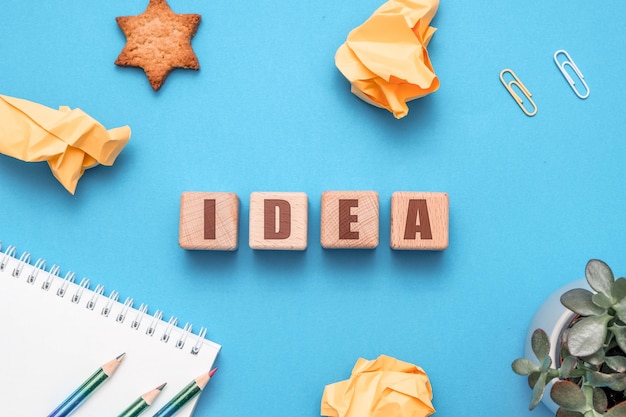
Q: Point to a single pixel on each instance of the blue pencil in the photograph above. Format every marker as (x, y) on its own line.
(87, 388)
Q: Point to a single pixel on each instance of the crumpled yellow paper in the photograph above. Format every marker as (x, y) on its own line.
(385, 59)
(385, 387)
(70, 140)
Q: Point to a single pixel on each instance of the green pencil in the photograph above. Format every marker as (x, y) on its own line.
(142, 403)
(185, 395)
(87, 388)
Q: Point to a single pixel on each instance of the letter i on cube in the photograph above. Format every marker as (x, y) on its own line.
(209, 221)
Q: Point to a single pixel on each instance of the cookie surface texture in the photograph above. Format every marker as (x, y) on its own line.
(158, 40)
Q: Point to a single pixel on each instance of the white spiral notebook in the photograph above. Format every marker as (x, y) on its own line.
(57, 331)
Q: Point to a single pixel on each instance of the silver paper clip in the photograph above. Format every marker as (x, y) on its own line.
(569, 62)
(516, 82)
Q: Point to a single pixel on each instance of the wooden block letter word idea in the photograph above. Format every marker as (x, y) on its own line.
(349, 219)
(278, 221)
(209, 221)
(419, 221)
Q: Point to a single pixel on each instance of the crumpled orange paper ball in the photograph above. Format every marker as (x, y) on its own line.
(69, 140)
(385, 387)
(385, 59)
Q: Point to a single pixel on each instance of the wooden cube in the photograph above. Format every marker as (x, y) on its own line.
(278, 221)
(419, 221)
(209, 221)
(349, 219)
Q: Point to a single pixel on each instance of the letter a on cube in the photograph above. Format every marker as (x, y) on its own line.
(209, 221)
(278, 221)
(419, 221)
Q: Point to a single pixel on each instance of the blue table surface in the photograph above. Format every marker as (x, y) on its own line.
(531, 199)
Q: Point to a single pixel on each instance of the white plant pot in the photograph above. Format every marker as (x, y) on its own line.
(552, 317)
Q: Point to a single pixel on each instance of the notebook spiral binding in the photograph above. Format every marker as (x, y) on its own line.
(97, 301)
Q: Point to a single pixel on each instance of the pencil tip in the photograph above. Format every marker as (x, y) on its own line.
(214, 370)
(151, 395)
(110, 367)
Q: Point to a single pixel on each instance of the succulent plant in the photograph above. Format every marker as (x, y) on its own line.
(590, 378)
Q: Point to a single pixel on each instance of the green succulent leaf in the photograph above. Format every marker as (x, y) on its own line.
(533, 378)
(619, 289)
(597, 358)
(618, 410)
(599, 276)
(602, 300)
(587, 336)
(564, 335)
(620, 309)
(568, 396)
(545, 365)
(580, 301)
(617, 363)
(616, 382)
(538, 390)
(523, 366)
(567, 366)
(540, 344)
(567, 413)
(600, 401)
(619, 332)
(619, 384)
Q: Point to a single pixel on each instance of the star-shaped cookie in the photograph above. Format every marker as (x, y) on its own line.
(158, 40)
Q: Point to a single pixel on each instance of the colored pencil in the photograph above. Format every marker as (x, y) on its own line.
(142, 403)
(87, 388)
(185, 395)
